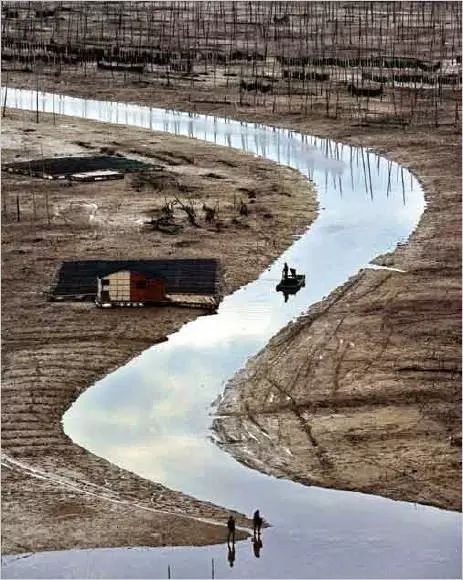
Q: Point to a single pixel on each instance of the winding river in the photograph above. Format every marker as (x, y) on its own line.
(153, 416)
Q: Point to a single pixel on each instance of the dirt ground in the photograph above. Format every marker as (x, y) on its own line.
(381, 416)
(55, 494)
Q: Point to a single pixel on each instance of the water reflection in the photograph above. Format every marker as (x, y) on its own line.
(257, 545)
(231, 553)
(153, 415)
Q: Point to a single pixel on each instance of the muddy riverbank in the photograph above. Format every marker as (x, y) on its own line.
(55, 494)
(363, 392)
(419, 449)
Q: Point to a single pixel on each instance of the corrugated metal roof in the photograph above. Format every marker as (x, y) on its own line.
(58, 166)
(79, 278)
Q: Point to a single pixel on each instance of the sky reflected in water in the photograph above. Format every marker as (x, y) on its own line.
(153, 416)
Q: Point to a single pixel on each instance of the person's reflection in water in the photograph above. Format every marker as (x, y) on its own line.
(256, 539)
(257, 545)
(286, 295)
(231, 525)
(231, 554)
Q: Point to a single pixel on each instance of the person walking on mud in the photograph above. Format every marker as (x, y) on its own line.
(257, 523)
(231, 530)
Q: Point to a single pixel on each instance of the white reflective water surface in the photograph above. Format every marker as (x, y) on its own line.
(153, 416)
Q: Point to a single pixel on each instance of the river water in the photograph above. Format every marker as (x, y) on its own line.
(153, 416)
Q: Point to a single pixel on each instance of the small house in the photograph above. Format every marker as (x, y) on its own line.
(192, 283)
(126, 287)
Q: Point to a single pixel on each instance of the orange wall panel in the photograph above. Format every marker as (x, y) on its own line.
(154, 288)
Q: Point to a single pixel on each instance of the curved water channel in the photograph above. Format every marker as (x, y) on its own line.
(153, 416)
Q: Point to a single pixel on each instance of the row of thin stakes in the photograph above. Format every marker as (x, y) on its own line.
(396, 61)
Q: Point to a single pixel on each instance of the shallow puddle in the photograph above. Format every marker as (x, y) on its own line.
(153, 416)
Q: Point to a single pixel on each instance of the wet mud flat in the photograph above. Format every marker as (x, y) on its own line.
(380, 394)
(414, 315)
(226, 499)
(400, 57)
(55, 494)
(425, 154)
